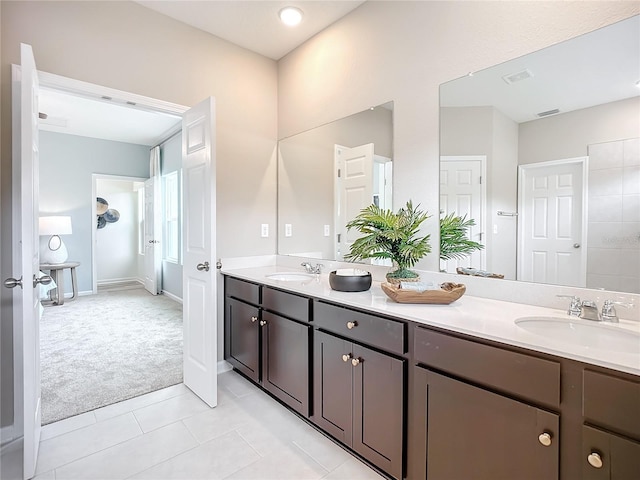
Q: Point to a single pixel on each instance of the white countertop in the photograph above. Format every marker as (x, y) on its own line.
(475, 316)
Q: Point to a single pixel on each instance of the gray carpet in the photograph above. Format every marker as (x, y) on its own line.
(105, 348)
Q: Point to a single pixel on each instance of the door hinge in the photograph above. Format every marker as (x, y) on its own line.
(480, 179)
(338, 173)
(338, 238)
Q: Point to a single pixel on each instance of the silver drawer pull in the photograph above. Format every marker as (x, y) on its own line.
(254, 319)
(355, 361)
(346, 357)
(351, 325)
(545, 439)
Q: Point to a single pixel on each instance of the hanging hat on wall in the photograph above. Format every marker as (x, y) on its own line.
(112, 215)
(101, 205)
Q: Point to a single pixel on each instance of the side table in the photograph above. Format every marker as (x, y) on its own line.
(56, 271)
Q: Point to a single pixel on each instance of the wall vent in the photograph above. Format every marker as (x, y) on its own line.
(517, 77)
(549, 112)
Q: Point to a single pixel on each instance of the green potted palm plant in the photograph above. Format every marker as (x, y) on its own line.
(454, 240)
(389, 235)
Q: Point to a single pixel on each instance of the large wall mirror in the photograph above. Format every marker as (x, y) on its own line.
(326, 175)
(543, 152)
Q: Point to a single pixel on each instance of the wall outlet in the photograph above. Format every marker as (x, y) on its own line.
(264, 230)
(327, 230)
(287, 230)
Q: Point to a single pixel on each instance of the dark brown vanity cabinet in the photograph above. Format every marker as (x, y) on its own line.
(475, 411)
(268, 338)
(611, 409)
(359, 391)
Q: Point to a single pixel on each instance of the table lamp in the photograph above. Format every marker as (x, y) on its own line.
(52, 248)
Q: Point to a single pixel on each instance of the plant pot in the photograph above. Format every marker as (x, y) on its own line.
(396, 280)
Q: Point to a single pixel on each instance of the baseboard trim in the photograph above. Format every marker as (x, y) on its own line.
(6, 434)
(173, 297)
(224, 366)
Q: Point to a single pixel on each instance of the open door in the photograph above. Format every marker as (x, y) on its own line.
(152, 235)
(25, 257)
(199, 254)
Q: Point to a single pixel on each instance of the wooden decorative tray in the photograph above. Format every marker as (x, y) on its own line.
(448, 293)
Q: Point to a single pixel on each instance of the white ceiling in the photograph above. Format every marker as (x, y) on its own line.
(255, 25)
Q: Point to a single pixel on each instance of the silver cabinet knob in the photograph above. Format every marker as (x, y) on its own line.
(351, 325)
(13, 283)
(595, 460)
(203, 266)
(545, 439)
(254, 319)
(263, 323)
(346, 357)
(355, 362)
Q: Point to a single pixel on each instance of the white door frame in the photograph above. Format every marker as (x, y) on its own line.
(94, 180)
(522, 170)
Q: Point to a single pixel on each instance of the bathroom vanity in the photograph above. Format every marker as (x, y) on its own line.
(436, 391)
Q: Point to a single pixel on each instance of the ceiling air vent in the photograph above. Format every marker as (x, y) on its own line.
(549, 112)
(517, 77)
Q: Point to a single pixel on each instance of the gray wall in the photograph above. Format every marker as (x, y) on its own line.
(66, 165)
(171, 160)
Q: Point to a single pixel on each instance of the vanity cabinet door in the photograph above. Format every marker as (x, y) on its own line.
(473, 433)
(332, 382)
(378, 406)
(285, 360)
(242, 337)
(606, 456)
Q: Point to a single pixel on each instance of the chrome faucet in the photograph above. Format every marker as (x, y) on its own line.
(609, 311)
(575, 308)
(589, 311)
(311, 269)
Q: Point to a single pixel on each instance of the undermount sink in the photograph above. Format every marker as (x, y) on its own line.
(290, 276)
(585, 333)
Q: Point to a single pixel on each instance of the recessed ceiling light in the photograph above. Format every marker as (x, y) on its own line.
(290, 16)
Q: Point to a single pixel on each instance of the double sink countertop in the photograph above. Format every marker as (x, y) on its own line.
(475, 316)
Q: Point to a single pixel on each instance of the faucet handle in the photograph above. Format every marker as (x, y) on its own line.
(609, 313)
(575, 306)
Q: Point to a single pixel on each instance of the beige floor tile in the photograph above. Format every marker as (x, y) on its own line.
(169, 411)
(67, 425)
(136, 403)
(236, 384)
(287, 464)
(50, 475)
(217, 421)
(77, 444)
(213, 460)
(131, 457)
(353, 469)
(320, 448)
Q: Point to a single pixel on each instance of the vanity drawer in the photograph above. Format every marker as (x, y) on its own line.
(286, 304)
(612, 402)
(522, 375)
(370, 329)
(245, 291)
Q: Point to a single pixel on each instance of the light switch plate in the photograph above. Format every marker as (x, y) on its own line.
(327, 230)
(287, 230)
(264, 230)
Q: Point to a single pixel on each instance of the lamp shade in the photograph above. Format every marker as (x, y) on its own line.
(55, 225)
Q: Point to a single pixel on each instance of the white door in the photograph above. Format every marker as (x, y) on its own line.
(199, 255)
(551, 224)
(354, 190)
(462, 192)
(152, 235)
(25, 254)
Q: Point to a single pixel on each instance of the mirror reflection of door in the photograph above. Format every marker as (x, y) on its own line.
(551, 223)
(462, 192)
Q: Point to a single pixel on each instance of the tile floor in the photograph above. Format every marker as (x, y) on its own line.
(171, 434)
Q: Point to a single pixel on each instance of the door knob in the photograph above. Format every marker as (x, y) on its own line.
(43, 280)
(203, 266)
(576, 245)
(13, 283)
